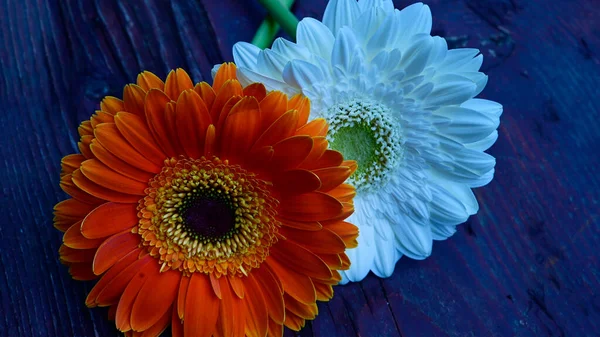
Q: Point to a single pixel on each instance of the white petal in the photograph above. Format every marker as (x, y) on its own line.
(450, 90)
(365, 5)
(289, 50)
(465, 125)
(416, 57)
(413, 239)
(362, 257)
(344, 49)
(442, 232)
(247, 76)
(456, 58)
(245, 55)
(340, 13)
(491, 108)
(446, 208)
(485, 143)
(387, 34)
(415, 19)
(368, 22)
(214, 70)
(301, 74)
(271, 63)
(316, 37)
(387, 255)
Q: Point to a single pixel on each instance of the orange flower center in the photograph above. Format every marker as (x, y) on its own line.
(204, 215)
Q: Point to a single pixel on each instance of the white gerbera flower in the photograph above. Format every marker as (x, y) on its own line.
(402, 105)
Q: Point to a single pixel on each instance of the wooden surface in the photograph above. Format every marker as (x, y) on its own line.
(526, 265)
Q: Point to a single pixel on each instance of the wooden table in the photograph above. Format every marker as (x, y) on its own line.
(526, 265)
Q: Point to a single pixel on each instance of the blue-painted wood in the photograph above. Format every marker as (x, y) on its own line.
(526, 265)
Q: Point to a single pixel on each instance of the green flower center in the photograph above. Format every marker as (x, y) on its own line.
(366, 132)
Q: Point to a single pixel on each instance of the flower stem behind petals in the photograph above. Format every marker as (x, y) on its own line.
(265, 34)
(279, 11)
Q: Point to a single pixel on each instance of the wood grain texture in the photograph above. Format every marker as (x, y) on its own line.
(526, 265)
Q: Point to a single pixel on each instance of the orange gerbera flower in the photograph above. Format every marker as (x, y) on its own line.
(217, 209)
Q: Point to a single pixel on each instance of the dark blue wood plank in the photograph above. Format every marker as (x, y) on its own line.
(526, 265)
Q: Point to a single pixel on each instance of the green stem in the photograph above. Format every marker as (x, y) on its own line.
(279, 14)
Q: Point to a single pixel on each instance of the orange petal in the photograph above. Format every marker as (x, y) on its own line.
(344, 192)
(290, 152)
(176, 325)
(147, 80)
(67, 185)
(125, 306)
(296, 182)
(226, 72)
(303, 225)
(117, 164)
(101, 117)
(192, 119)
(329, 158)
(316, 127)
(133, 99)
(183, 288)
(98, 191)
(257, 90)
(324, 291)
(275, 329)
(319, 147)
(201, 307)
(257, 317)
(134, 129)
(232, 320)
(279, 130)
(332, 260)
(207, 93)
(299, 286)
(323, 241)
(160, 325)
(102, 175)
(313, 206)
(293, 322)
(111, 105)
(210, 141)
(216, 285)
(113, 249)
(171, 127)
(155, 105)
(237, 285)
(155, 299)
(230, 89)
(109, 136)
(272, 293)
(302, 104)
(273, 106)
(177, 82)
(332, 177)
(126, 262)
(114, 286)
(84, 146)
(85, 128)
(109, 219)
(346, 231)
(76, 255)
(72, 209)
(241, 128)
(301, 259)
(347, 210)
(74, 239)
(82, 272)
(70, 163)
(305, 311)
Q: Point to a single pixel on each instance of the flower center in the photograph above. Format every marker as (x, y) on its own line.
(365, 131)
(207, 216)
